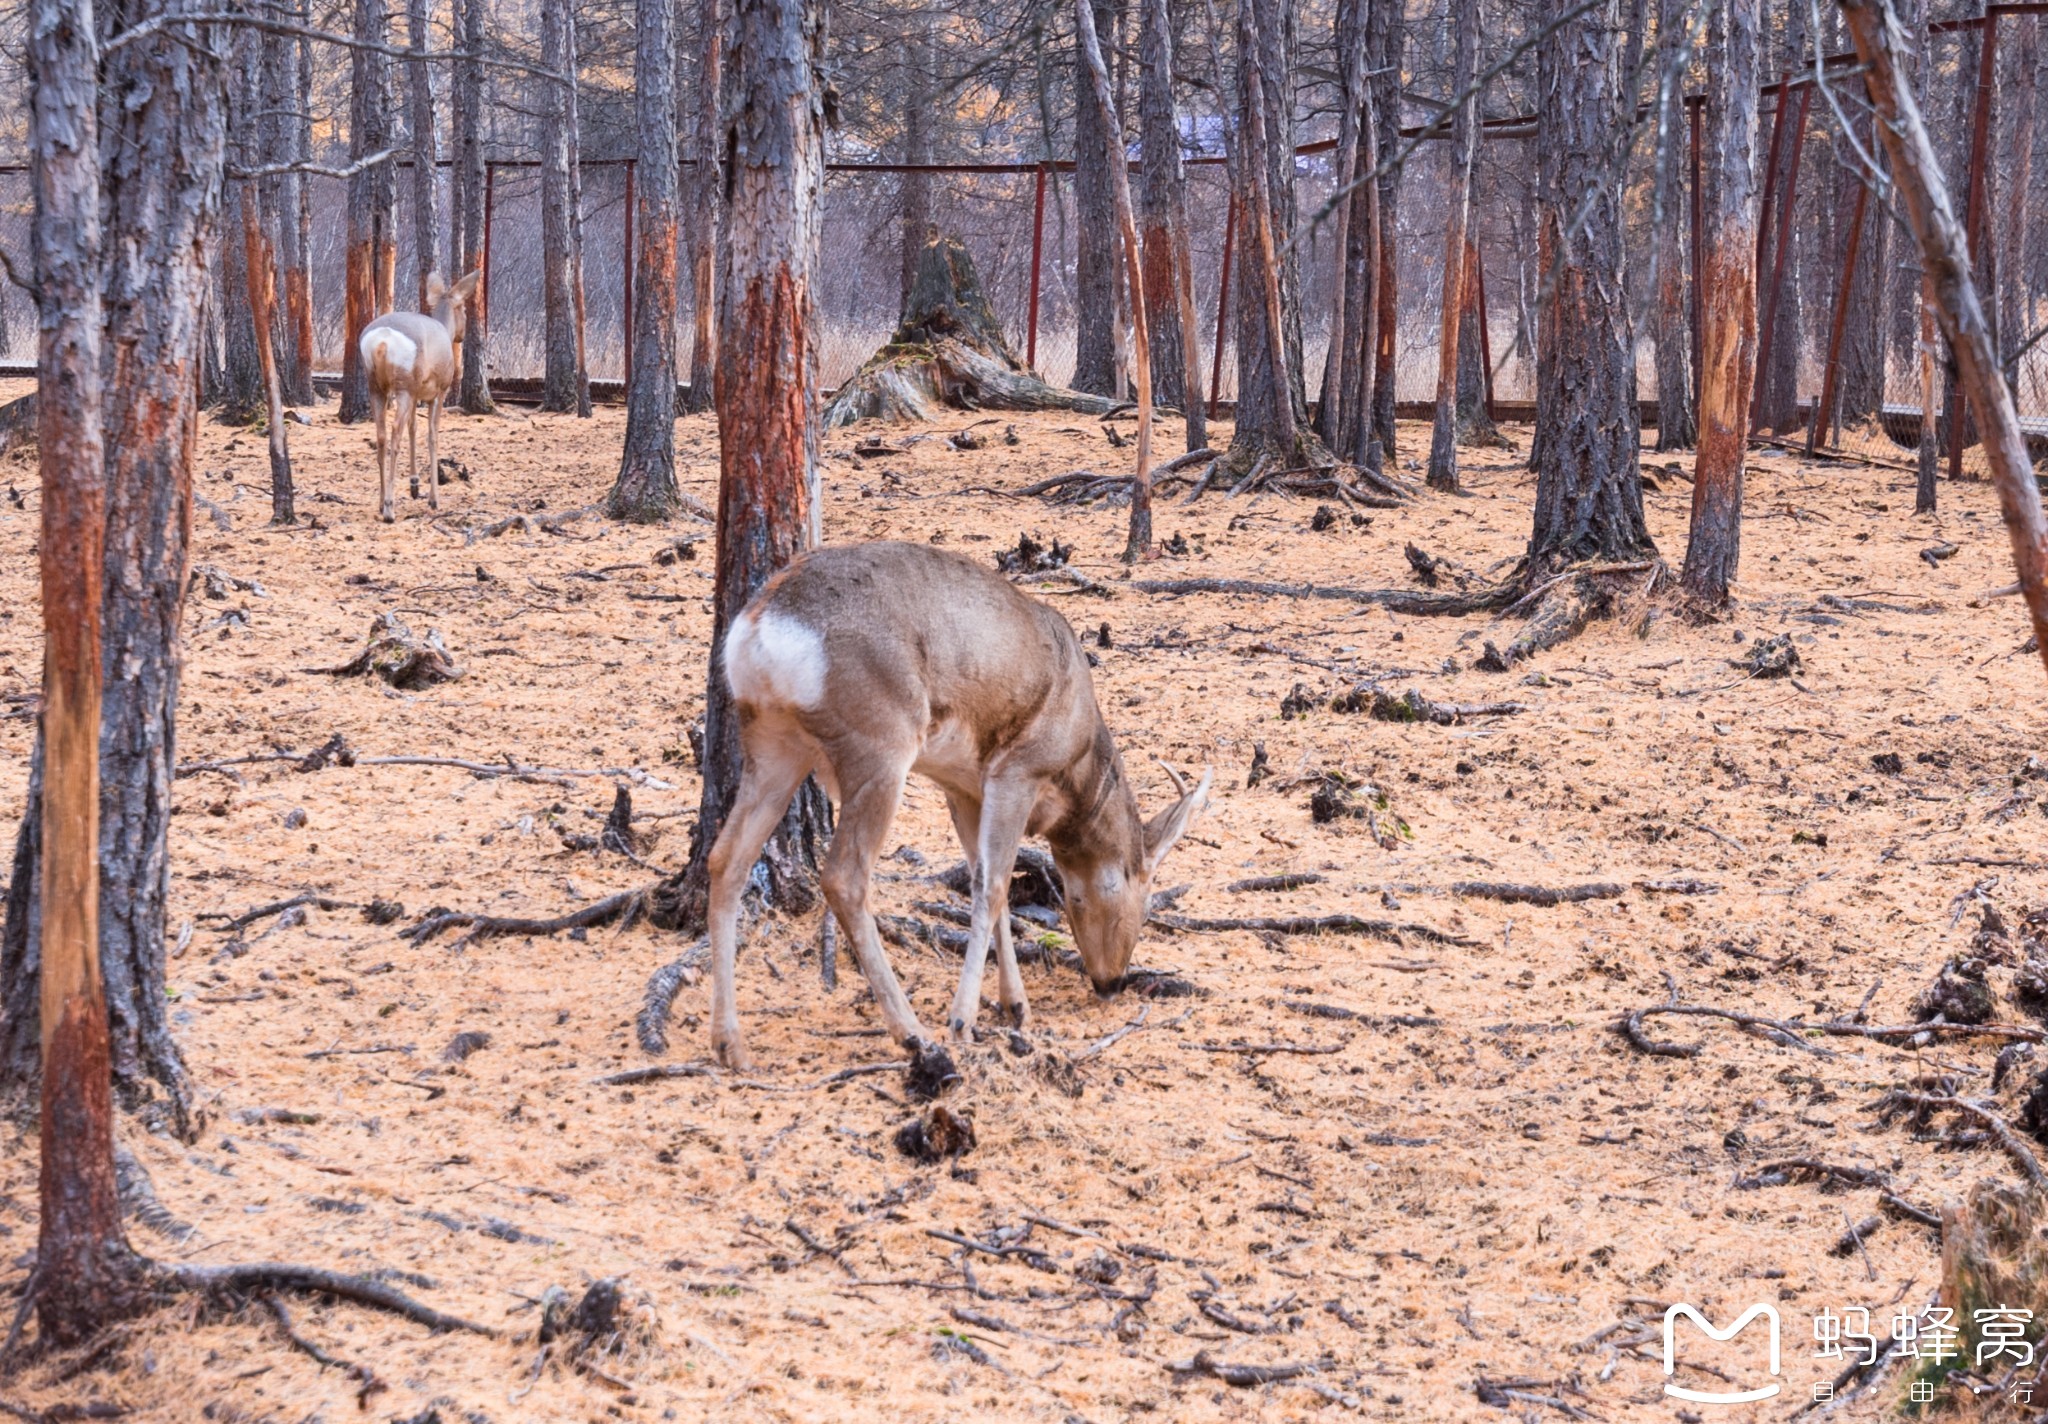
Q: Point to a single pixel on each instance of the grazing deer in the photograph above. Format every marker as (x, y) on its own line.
(410, 359)
(868, 662)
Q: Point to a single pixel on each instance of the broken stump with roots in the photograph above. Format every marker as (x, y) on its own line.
(948, 353)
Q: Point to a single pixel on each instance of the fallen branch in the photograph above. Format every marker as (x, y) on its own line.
(313, 761)
(651, 1025)
(1787, 1032)
(1538, 894)
(1389, 930)
(1240, 1046)
(1241, 1376)
(655, 1074)
(261, 912)
(1984, 1113)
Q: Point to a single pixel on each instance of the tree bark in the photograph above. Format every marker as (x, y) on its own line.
(1729, 314)
(259, 267)
(1138, 545)
(1349, 362)
(1386, 33)
(1945, 253)
(916, 214)
(1677, 422)
(1096, 279)
(767, 408)
(1589, 496)
(1443, 441)
(372, 201)
(86, 1278)
(646, 490)
(1169, 286)
(286, 117)
(562, 388)
(577, 287)
(239, 401)
(1777, 404)
(707, 191)
(470, 180)
(1272, 403)
(426, 152)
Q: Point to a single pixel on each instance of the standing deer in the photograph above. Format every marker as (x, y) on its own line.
(411, 360)
(866, 663)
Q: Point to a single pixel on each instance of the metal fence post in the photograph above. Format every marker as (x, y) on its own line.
(1830, 382)
(1037, 256)
(1785, 209)
(490, 206)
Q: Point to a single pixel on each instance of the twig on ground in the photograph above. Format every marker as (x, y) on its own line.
(1389, 930)
(1537, 894)
(627, 905)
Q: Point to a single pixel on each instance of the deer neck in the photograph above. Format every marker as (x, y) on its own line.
(1100, 818)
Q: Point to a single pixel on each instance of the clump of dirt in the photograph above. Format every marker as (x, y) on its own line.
(1032, 557)
(1339, 797)
(931, 1072)
(1958, 994)
(1770, 657)
(940, 1133)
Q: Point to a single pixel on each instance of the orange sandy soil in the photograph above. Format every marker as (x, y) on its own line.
(1420, 1209)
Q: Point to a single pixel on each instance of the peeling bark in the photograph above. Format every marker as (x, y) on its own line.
(646, 490)
(768, 417)
(1729, 313)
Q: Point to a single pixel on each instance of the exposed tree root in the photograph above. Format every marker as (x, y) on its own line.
(1791, 1033)
(627, 905)
(259, 1279)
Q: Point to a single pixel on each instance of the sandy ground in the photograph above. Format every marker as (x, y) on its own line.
(1421, 1208)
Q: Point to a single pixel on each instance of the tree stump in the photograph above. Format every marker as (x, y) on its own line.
(948, 353)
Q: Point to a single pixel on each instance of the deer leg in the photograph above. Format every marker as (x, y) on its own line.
(434, 454)
(866, 808)
(1009, 982)
(769, 776)
(1005, 808)
(386, 475)
(412, 442)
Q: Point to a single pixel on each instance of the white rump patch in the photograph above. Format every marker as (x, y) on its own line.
(393, 349)
(771, 659)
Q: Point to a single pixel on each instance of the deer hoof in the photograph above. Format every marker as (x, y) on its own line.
(1017, 1015)
(960, 1031)
(733, 1054)
(387, 516)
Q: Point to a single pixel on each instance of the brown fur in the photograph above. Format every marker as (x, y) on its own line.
(933, 664)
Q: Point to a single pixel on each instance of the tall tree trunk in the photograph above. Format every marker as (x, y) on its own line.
(561, 388)
(1964, 322)
(1589, 494)
(426, 153)
(1337, 410)
(1777, 406)
(1860, 392)
(372, 198)
(1729, 317)
(707, 191)
(1169, 287)
(297, 216)
(1096, 279)
(2015, 320)
(916, 216)
(1443, 440)
(86, 1278)
(470, 180)
(1139, 544)
(1475, 419)
(767, 407)
(646, 489)
(239, 401)
(1272, 403)
(577, 287)
(259, 268)
(285, 112)
(1677, 425)
(1386, 33)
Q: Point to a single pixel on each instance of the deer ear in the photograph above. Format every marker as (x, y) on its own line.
(1169, 825)
(466, 288)
(436, 289)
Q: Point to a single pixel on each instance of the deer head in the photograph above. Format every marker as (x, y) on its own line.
(450, 305)
(1106, 870)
